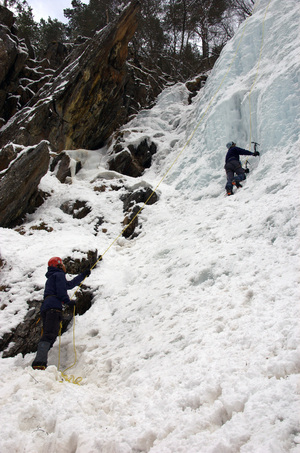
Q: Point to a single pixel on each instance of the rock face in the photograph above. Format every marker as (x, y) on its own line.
(132, 160)
(18, 184)
(78, 107)
(20, 75)
(61, 164)
(83, 105)
(195, 85)
(133, 203)
(56, 53)
(78, 209)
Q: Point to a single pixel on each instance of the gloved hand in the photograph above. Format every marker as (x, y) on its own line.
(256, 153)
(87, 272)
(98, 260)
(72, 305)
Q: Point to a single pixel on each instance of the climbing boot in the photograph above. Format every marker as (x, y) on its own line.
(39, 367)
(40, 361)
(237, 184)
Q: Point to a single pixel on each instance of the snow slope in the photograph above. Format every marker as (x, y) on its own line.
(192, 343)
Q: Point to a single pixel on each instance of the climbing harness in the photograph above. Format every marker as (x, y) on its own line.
(78, 380)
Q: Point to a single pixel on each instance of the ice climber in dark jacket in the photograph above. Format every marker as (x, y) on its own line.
(233, 166)
(55, 295)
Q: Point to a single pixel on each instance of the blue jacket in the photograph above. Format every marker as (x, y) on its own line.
(56, 287)
(234, 153)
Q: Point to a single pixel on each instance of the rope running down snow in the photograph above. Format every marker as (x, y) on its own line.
(77, 380)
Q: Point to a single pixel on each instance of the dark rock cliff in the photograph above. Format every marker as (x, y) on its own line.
(20, 75)
(79, 106)
(18, 184)
(82, 105)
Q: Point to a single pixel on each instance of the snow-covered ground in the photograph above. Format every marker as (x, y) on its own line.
(192, 342)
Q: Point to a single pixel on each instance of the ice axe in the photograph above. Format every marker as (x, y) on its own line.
(255, 150)
(255, 146)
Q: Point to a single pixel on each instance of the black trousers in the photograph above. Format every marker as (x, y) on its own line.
(233, 168)
(51, 325)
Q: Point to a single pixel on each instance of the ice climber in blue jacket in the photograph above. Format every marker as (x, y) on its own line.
(233, 166)
(55, 295)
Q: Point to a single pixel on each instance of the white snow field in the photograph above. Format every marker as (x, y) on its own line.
(192, 342)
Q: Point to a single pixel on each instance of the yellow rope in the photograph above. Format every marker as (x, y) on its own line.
(64, 376)
(78, 380)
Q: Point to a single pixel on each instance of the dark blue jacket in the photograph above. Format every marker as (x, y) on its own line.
(56, 287)
(234, 153)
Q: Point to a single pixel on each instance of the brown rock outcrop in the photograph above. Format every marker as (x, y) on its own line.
(19, 182)
(133, 203)
(82, 106)
(61, 164)
(195, 85)
(132, 159)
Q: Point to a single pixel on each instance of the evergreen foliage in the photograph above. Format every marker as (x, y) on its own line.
(49, 31)
(179, 38)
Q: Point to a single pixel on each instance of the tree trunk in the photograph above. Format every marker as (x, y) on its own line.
(183, 28)
(205, 45)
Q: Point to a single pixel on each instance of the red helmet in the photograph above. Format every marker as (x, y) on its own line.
(55, 262)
